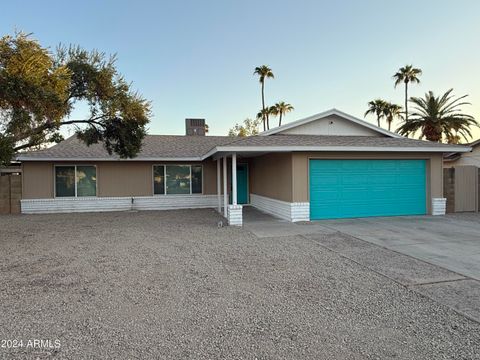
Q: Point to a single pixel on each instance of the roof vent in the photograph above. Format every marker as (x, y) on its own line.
(195, 127)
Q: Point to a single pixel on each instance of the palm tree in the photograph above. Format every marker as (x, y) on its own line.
(281, 108)
(437, 116)
(376, 107)
(406, 75)
(263, 114)
(264, 72)
(392, 112)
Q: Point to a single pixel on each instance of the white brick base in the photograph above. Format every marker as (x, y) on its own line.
(235, 215)
(95, 204)
(299, 211)
(439, 206)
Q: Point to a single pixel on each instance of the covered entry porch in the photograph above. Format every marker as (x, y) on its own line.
(259, 179)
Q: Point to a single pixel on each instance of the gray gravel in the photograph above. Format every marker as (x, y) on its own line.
(172, 285)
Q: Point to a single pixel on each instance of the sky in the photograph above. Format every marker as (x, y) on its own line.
(194, 58)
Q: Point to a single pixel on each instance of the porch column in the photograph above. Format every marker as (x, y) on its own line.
(235, 211)
(234, 179)
(225, 197)
(219, 186)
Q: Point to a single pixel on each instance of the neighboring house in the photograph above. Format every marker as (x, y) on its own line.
(464, 159)
(330, 165)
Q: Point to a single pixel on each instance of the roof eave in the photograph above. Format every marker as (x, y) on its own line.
(25, 158)
(410, 149)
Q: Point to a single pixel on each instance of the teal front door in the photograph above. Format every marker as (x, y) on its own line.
(242, 184)
(361, 188)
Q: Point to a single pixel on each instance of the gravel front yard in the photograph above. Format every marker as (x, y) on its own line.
(172, 285)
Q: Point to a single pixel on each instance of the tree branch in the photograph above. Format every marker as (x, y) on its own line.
(51, 125)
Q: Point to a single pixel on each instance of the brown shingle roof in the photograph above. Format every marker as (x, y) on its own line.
(154, 147)
(173, 147)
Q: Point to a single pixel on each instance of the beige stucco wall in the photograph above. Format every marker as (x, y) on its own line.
(37, 180)
(469, 158)
(271, 176)
(124, 179)
(300, 170)
(331, 125)
(113, 178)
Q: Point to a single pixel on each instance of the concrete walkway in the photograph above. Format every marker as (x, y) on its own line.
(263, 225)
(451, 241)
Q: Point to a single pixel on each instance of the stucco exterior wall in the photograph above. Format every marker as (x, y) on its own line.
(300, 165)
(113, 178)
(271, 176)
(124, 179)
(469, 158)
(331, 125)
(37, 180)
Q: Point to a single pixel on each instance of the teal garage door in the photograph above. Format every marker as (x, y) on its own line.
(361, 188)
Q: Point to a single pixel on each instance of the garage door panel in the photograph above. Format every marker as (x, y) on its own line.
(361, 188)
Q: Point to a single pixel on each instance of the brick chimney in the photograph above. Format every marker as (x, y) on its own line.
(195, 127)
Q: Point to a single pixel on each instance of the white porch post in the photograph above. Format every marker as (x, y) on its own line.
(219, 186)
(235, 211)
(234, 179)
(225, 198)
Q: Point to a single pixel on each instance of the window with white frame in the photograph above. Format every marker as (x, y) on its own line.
(75, 180)
(177, 179)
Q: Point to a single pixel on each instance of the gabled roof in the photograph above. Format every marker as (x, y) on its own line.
(197, 148)
(326, 114)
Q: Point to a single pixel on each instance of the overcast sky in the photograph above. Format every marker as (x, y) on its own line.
(196, 58)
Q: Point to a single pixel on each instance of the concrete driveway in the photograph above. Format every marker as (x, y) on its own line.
(451, 241)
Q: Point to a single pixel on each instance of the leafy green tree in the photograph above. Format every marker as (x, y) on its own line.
(280, 109)
(376, 107)
(392, 112)
(249, 128)
(437, 117)
(39, 91)
(407, 74)
(264, 72)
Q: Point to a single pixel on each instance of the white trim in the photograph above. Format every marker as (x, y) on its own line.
(324, 115)
(263, 149)
(98, 204)
(219, 186)
(225, 179)
(234, 179)
(297, 211)
(26, 158)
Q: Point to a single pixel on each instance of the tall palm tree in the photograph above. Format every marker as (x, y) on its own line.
(407, 74)
(376, 107)
(438, 116)
(281, 108)
(392, 112)
(264, 72)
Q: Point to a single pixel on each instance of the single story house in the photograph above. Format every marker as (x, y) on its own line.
(471, 158)
(330, 165)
